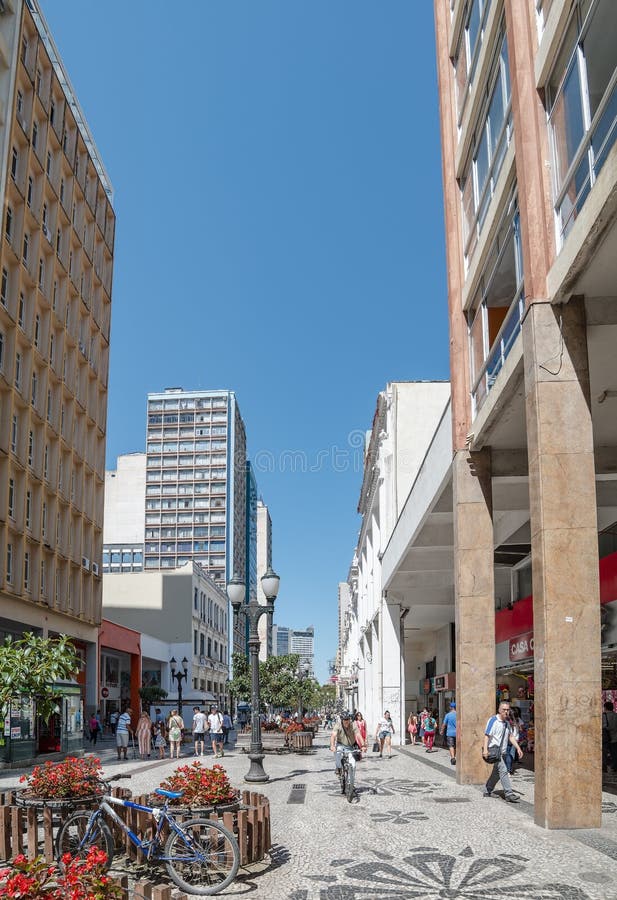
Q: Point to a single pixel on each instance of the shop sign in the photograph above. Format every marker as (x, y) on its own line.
(104, 693)
(521, 647)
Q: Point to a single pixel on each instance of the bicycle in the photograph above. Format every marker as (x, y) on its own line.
(201, 856)
(348, 775)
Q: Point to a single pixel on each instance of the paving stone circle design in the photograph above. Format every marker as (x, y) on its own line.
(388, 786)
(609, 806)
(398, 817)
(431, 874)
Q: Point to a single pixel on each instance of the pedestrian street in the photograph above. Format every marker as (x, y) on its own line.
(411, 832)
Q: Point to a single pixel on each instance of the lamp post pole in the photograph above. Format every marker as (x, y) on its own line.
(303, 671)
(177, 676)
(236, 592)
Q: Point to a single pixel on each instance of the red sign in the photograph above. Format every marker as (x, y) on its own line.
(104, 693)
(521, 646)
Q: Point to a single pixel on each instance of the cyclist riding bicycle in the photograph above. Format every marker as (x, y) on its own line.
(343, 740)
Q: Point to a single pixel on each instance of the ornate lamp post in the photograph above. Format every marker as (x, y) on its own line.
(302, 673)
(178, 676)
(254, 611)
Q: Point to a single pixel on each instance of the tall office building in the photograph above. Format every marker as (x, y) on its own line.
(290, 640)
(56, 261)
(528, 109)
(250, 575)
(195, 505)
(123, 531)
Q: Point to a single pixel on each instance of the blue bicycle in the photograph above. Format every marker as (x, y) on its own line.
(201, 856)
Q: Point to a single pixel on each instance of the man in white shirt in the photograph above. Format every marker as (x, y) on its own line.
(122, 732)
(200, 725)
(497, 735)
(215, 720)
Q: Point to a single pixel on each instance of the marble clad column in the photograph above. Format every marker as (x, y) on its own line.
(474, 610)
(393, 690)
(564, 548)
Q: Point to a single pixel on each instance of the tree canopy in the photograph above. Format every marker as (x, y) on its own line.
(31, 665)
(280, 685)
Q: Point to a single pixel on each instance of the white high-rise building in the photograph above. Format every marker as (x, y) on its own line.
(123, 530)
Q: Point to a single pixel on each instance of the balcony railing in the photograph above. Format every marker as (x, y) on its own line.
(502, 345)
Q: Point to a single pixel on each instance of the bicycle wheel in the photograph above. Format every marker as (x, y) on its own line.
(75, 838)
(350, 791)
(343, 776)
(204, 859)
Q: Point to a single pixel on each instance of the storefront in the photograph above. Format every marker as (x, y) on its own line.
(514, 650)
(24, 736)
(120, 670)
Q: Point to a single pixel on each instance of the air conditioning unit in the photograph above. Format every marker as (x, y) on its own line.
(95, 568)
(85, 563)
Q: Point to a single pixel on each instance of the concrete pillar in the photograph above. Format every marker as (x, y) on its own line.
(93, 683)
(564, 551)
(474, 609)
(393, 696)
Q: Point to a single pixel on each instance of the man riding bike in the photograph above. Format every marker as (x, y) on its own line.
(343, 740)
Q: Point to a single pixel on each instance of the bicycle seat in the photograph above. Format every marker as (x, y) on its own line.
(171, 794)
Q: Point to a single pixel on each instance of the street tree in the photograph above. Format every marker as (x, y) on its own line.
(32, 666)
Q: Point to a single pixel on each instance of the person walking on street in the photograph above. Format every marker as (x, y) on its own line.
(429, 731)
(113, 722)
(423, 716)
(359, 725)
(123, 729)
(200, 726)
(215, 720)
(227, 726)
(497, 735)
(513, 719)
(448, 727)
(93, 724)
(158, 736)
(174, 730)
(384, 732)
(412, 727)
(609, 737)
(144, 734)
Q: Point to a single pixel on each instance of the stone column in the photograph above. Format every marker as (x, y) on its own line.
(393, 691)
(564, 552)
(474, 609)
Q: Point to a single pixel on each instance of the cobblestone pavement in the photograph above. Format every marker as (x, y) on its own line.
(412, 832)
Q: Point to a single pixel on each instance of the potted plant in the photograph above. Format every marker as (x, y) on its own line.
(81, 879)
(71, 782)
(204, 790)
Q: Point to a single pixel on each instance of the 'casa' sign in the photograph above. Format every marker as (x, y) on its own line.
(521, 646)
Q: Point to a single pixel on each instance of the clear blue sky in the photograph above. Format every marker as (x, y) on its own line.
(277, 176)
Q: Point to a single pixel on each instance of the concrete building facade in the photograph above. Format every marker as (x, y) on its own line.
(528, 124)
(56, 263)
(123, 529)
(264, 561)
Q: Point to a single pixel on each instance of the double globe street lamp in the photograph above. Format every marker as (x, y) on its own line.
(236, 591)
(177, 676)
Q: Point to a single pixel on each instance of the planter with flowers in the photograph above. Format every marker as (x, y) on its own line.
(70, 783)
(81, 879)
(204, 791)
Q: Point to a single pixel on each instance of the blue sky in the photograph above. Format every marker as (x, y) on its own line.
(277, 177)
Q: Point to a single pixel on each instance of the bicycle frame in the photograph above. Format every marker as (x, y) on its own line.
(159, 814)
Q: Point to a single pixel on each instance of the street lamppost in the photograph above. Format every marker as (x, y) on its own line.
(236, 591)
(302, 673)
(178, 676)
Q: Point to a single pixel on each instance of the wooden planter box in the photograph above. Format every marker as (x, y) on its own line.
(301, 741)
(272, 741)
(32, 830)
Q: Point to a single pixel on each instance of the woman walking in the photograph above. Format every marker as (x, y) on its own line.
(423, 716)
(384, 732)
(144, 734)
(360, 729)
(174, 731)
(430, 726)
(412, 727)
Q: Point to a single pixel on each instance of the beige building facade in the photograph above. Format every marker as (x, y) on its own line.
(56, 260)
(528, 122)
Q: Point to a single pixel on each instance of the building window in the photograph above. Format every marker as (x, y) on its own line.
(27, 571)
(35, 135)
(26, 248)
(37, 329)
(582, 107)
(62, 186)
(30, 190)
(490, 143)
(14, 429)
(11, 498)
(43, 579)
(9, 563)
(30, 447)
(48, 164)
(51, 347)
(20, 311)
(33, 389)
(52, 112)
(4, 287)
(28, 508)
(8, 223)
(497, 308)
(49, 406)
(18, 370)
(14, 163)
